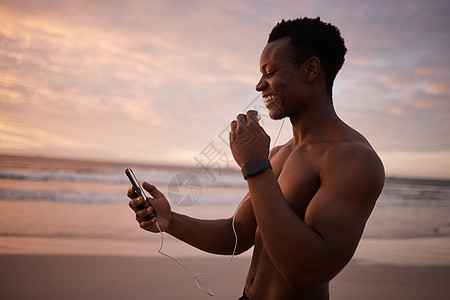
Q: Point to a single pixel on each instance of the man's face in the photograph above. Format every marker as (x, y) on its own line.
(281, 83)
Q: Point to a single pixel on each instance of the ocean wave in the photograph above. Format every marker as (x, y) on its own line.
(98, 182)
(62, 196)
(118, 177)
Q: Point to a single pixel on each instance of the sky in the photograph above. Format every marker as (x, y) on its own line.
(159, 81)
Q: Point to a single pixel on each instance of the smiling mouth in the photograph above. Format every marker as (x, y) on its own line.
(269, 99)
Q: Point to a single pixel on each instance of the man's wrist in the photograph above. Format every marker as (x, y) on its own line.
(255, 166)
(171, 226)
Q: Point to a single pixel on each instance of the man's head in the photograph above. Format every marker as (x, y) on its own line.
(312, 37)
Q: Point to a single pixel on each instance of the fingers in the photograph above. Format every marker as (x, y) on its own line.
(233, 126)
(232, 135)
(136, 204)
(244, 122)
(144, 215)
(152, 190)
(241, 120)
(131, 193)
(252, 116)
(147, 225)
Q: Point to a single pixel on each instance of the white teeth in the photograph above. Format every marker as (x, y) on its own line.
(269, 98)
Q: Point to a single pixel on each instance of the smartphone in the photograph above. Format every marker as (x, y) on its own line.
(139, 190)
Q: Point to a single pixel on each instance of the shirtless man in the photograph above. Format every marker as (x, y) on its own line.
(308, 206)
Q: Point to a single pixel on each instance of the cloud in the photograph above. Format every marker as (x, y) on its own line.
(392, 86)
(92, 76)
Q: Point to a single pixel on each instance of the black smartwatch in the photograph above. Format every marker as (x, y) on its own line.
(255, 166)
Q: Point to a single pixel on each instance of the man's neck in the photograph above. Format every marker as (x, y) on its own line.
(315, 124)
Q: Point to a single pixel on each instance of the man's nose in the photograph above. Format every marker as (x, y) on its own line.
(261, 85)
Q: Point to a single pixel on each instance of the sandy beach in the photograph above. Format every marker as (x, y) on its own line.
(113, 277)
(51, 250)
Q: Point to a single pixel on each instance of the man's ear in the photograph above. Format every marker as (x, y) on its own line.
(312, 68)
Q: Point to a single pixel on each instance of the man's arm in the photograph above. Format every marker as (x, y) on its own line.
(213, 236)
(216, 236)
(310, 252)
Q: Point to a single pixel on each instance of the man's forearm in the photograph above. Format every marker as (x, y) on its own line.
(275, 216)
(213, 236)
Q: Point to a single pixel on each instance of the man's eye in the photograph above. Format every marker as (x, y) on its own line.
(269, 74)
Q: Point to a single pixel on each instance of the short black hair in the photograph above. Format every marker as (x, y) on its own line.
(312, 37)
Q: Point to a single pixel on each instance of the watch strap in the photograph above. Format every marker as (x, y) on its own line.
(255, 166)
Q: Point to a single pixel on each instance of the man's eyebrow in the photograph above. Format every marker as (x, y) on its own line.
(263, 68)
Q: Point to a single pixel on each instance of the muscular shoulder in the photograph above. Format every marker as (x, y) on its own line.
(346, 155)
(275, 150)
(353, 164)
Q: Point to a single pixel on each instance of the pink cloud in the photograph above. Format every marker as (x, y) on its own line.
(177, 72)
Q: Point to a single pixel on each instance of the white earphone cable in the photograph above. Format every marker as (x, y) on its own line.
(196, 275)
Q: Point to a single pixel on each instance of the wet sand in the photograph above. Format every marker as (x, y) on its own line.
(69, 251)
(112, 277)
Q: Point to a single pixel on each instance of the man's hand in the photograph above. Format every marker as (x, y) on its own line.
(159, 205)
(248, 139)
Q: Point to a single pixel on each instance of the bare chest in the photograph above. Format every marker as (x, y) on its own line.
(297, 174)
(298, 178)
